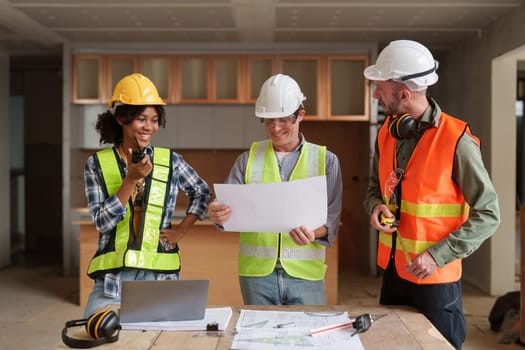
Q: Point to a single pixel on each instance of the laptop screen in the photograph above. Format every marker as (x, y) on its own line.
(173, 300)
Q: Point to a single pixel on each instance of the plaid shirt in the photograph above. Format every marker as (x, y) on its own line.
(107, 212)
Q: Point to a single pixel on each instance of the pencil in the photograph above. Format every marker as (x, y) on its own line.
(331, 328)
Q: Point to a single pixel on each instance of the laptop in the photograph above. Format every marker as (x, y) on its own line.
(154, 301)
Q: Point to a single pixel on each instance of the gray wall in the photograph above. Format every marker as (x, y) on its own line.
(468, 96)
(5, 233)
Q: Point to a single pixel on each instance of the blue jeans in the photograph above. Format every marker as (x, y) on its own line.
(279, 288)
(98, 298)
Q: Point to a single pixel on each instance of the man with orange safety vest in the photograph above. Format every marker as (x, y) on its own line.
(284, 268)
(429, 194)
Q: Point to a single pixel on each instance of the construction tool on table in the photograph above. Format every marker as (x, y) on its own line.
(363, 322)
(389, 196)
(360, 324)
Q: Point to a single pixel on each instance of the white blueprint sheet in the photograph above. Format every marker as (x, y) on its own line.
(256, 330)
(276, 207)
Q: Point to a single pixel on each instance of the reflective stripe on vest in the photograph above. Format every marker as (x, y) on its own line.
(258, 250)
(432, 205)
(125, 254)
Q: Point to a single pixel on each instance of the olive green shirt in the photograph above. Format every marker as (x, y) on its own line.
(470, 174)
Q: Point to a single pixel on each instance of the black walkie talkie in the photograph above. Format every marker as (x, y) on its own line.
(137, 155)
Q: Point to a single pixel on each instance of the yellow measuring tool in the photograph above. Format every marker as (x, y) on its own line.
(389, 196)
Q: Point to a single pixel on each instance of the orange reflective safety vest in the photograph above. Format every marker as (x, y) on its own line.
(432, 205)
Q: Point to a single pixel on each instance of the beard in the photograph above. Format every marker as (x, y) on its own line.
(392, 108)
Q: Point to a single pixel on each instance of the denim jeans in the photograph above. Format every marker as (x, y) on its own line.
(279, 288)
(98, 298)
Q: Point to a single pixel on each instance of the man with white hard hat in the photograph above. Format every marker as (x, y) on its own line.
(429, 196)
(284, 268)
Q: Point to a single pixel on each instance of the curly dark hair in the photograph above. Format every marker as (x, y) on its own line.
(110, 130)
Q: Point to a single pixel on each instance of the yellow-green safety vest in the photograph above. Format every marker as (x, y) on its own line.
(258, 250)
(144, 252)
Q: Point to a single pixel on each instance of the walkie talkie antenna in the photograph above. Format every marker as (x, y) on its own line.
(137, 156)
(138, 145)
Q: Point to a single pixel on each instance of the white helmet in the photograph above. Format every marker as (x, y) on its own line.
(280, 96)
(407, 62)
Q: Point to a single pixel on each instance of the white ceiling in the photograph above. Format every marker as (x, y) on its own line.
(31, 26)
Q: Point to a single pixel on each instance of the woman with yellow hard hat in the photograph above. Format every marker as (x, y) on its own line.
(131, 190)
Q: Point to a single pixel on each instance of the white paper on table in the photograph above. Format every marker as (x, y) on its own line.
(275, 207)
(259, 330)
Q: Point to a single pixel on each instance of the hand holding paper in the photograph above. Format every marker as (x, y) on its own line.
(276, 207)
(219, 212)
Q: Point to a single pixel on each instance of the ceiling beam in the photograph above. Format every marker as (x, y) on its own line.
(406, 4)
(259, 27)
(24, 27)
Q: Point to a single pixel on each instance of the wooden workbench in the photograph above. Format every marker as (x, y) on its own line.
(403, 328)
(205, 253)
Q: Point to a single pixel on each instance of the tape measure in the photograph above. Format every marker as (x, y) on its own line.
(390, 222)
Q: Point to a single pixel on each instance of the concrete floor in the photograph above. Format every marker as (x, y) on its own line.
(36, 300)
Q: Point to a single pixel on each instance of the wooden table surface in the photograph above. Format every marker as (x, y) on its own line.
(402, 328)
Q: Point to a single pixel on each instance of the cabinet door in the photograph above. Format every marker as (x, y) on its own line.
(158, 70)
(225, 77)
(193, 79)
(348, 89)
(259, 68)
(119, 67)
(305, 70)
(87, 77)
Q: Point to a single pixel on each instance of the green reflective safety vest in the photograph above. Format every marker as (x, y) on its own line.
(144, 252)
(258, 250)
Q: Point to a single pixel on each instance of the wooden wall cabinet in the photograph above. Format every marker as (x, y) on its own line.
(334, 85)
(209, 79)
(95, 76)
(222, 79)
(160, 70)
(256, 70)
(347, 90)
(118, 67)
(88, 76)
(192, 83)
(306, 70)
(225, 79)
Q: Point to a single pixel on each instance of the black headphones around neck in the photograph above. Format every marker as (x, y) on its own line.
(103, 326)
(406, 127)
(403, 126)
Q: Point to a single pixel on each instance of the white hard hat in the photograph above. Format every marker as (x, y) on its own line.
(405, 61)
(280, 96)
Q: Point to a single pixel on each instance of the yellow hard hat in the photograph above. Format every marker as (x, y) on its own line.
(135, 89)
